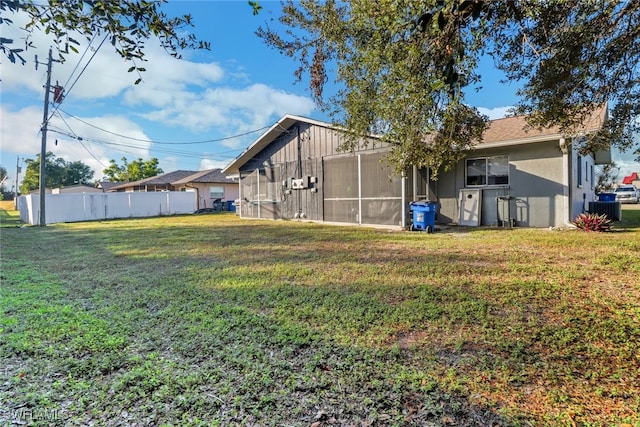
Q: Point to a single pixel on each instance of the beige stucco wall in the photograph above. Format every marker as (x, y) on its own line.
(231, 192)
(536, 173)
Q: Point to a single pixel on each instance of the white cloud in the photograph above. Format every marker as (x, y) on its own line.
(228, 109)
(194, 98)
(23, 138)
(496, 112)
(212, 164)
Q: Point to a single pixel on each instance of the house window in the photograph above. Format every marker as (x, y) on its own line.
(593, 183)
(216, 192)
(488, 171)
(579, 171)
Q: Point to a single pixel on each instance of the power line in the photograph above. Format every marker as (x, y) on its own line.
(80, 141)
(101, 142)
(81, 72)
(165, 142)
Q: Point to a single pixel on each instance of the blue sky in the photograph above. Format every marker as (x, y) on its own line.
(188, 113)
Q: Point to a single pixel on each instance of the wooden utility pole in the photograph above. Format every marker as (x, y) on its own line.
(43, 147)
(15, 196)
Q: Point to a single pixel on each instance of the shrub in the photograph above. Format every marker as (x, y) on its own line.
(592, 222)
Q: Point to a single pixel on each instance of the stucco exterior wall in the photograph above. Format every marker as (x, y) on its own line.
(536, 192)
(205, 201)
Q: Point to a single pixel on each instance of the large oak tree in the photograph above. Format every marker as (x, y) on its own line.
(404, 66)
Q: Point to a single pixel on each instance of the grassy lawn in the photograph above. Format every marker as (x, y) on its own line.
(8, 216)
(212, 320)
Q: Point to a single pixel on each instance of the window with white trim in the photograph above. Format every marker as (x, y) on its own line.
(579, 171)
(487, 171)
(216, 192)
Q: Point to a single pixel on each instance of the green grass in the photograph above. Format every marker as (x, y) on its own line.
(8, 216)
(213, 320)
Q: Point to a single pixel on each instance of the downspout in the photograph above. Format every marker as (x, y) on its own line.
(299, 193)
(258, 188)
(566, 182)
(403, 222)
(239, 207)
(359, 190)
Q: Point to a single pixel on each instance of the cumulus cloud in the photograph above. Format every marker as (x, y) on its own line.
(176, 97)
(71, 139)
(234, 110)
(496, 112)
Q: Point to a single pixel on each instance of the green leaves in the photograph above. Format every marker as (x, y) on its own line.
(58, 173)
(132, 171)
(256, 7)
(129, 24)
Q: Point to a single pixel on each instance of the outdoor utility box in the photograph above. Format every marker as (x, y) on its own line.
(613, 210)
(300, 183)
(424, 216)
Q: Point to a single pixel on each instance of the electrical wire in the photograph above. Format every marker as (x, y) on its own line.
(164, 142)
(80, 141)
(57, 107)
(132, 147)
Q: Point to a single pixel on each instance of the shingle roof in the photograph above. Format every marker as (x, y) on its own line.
(166, 178)
(516, 128)
(208, 176)
(501, 132)
(107, 185)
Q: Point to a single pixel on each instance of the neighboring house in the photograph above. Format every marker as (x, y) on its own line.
(210, 185)
(105, 186)
(155, 183)
(534, 178)
(78, 188)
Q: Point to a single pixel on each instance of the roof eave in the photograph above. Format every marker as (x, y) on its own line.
(280, 127)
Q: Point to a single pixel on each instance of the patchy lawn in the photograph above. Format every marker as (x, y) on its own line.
(8, 216)
(213, 320)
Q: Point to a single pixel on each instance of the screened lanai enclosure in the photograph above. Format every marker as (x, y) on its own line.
(296, 170)
(515, 176)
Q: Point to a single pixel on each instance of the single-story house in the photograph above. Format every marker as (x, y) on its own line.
(76, 188)
(516, 176)
(210, 185)
(105, 186)
(160, 182)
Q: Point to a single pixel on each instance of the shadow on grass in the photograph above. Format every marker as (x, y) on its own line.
(110, 329)
(271, 324)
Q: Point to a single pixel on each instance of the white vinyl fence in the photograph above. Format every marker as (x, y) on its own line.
(76, 207)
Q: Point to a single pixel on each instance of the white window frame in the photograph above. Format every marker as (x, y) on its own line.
(486, 178)
(216, 194)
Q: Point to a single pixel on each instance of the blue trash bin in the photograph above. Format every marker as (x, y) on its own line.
(424, 216)
(607, 197)
(230, 206)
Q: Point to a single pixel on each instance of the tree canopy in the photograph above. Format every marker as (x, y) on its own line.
(3, 178)
(127, 24)
(134, 171)
(58, 173)
(404, 67)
